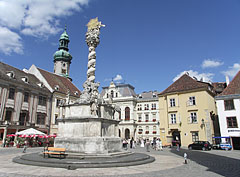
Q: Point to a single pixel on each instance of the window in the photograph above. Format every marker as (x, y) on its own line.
(116, 94)
(195, 136)
(140, 130)
(139, 118)
(63, 71)
(229, 105)
(11, 93)
(232, 122)
(56, 116)
(8, 115)
(26, 96)
(112, 94)
(154, 117)
(139, 107)
(58, 102)
(154, 106)
(147, 130)
(154, 129)
(107, 95)
(172, 102)
(146, 106)
(127, 113)
(42, 100)
(192, 101)
(41, 119)
(146, 117)
(193, 117)
(173, 119)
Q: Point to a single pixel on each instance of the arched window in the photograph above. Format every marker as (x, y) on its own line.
(107, 95)
(127, 113)
(112, 94)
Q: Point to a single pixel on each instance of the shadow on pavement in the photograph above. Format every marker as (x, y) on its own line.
(221, 165)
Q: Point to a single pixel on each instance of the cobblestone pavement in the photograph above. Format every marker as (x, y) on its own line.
(168, 162)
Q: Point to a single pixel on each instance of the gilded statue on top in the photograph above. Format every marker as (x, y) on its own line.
(94, 23)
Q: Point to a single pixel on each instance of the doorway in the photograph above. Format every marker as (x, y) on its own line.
(127, 134)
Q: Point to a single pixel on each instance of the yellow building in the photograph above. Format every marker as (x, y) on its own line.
(185, 110)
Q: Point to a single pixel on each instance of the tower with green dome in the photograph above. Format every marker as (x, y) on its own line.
(62, 58)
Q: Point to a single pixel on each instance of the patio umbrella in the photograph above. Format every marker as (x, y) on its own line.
(30, 131)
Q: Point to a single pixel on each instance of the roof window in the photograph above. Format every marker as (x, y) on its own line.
(56, 87)
(25, 79)
(76, 93)
(40, 84)
(11, 74)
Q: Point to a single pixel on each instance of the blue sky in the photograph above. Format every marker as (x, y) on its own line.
(147, 44)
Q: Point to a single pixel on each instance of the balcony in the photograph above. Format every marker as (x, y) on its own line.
(154, 120)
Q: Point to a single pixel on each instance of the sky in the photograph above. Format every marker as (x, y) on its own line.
(145, 43)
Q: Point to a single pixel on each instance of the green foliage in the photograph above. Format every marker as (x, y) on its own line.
(19, 141)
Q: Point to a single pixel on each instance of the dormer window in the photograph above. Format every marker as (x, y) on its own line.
(25, 79)
(76, 93)
(11, 74)
(40, 84)
(56, 87)
(140, 96)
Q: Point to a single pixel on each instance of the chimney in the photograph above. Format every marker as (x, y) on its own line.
(227, 80)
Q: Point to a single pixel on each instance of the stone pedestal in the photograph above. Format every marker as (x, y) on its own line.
(82, 132)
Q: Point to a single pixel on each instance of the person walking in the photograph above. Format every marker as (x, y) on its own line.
(157, 145)
(142, 143)
(25, 146)
(154, 144)
(160, 145)
(147, 145)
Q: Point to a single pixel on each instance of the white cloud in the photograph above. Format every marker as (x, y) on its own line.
(118, 78)
(39, 18)
(10, 42)
(206, 77)
(209, 63)
(232, 70)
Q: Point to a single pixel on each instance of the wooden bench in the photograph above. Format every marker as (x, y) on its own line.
(54, 151)
(167, 145)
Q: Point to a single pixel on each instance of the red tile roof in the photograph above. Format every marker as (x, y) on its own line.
(64, 83)
(185, 83)
(234, 86)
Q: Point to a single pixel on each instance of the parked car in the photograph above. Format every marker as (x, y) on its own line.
(200, 145)
(222, 146)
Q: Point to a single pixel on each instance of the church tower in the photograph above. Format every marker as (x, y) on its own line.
(62, 58)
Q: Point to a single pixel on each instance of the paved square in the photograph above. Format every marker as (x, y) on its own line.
(168, 162)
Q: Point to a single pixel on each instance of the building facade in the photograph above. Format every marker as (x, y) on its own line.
(139, 113)
(186, 108)
(24, 102)
(228, 107)
(148, 115)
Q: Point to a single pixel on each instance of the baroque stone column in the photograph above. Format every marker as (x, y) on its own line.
(92, 40)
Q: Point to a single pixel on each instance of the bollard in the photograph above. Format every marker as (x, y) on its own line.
(185, 157)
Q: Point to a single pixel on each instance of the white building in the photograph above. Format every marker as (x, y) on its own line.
(135, 122)
(228, 107)
(148, 115)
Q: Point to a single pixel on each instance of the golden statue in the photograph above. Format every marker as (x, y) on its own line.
(94, 23)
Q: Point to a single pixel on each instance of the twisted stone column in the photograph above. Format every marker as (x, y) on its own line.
(92, 40)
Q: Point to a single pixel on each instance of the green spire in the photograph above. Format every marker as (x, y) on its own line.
(62, 53)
